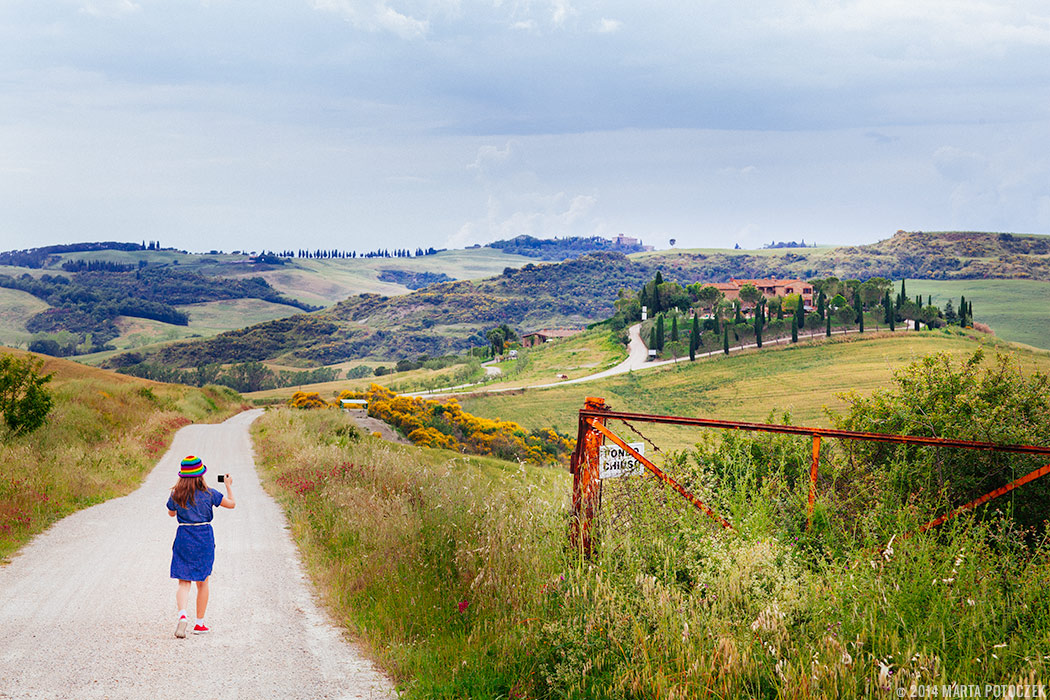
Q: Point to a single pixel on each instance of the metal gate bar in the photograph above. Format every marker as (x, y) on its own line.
(593, 431)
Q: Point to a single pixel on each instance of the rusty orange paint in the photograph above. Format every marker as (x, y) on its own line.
(813, 467)
(823, 432)
(592, 431)
(586, 494)
(659, 473)
(1030, 476)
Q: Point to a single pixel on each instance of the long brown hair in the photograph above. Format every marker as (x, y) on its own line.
(186, 489)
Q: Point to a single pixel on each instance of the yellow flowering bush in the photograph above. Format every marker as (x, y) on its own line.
(445, 424)
(302, 399)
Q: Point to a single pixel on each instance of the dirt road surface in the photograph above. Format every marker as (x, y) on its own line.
(88, 611)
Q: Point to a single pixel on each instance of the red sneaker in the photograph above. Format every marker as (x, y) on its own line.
(200, 629)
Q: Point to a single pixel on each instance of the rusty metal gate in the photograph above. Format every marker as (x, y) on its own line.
(593, 431)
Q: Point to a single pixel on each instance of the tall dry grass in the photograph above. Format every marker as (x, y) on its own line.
(103, 434)
(456, 573)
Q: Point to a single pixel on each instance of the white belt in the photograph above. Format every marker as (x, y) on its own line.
(193, 524)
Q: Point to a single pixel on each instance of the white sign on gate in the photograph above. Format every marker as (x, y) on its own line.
(614, 461)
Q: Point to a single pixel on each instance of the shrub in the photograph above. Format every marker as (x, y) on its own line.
(302, 399)
(24, 400)
(934, 397)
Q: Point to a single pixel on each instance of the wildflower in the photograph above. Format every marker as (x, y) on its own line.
(887, 553)
(463, 605)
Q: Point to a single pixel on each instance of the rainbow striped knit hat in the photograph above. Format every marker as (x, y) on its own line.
(192, 466)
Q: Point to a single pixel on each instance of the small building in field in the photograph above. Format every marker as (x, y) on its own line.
(545, 336)
(349, 404)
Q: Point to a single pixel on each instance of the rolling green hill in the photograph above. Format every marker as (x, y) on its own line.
(800, 379)
(381, 321)
(1011, 307)
(299, 281)
(453, 316)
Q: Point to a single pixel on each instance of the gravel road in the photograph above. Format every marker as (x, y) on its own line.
(88, 610)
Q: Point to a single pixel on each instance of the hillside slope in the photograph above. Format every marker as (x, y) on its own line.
(453, 316)
(104, 431)
(799, 379)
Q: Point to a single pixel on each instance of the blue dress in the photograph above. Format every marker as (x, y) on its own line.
(193, 552)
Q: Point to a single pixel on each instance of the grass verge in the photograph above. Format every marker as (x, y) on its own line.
(103, 435)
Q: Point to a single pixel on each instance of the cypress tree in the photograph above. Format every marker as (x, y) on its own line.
(714, 319)
(800, 313)
(820, 304)
(739, 317)
(891, 314)
(887, 309)
(660, 332)
(652, 339)
(780, 311)
(758, 327)
(643, 298)
(827, 330)
(674, 329)
(904, 294)
(725, 339)
(694, 338)
(794, 329)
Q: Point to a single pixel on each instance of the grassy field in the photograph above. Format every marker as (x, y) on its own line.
(104, 433)
(454, 571)
(800, 380)
(16, 307)
(316, 281)
(206, 319)
(1010, 307)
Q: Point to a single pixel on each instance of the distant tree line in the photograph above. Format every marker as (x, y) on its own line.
(334, 254)
(99, 266)
(40, 257)
(85, 307)
(413, 280)
(243, 377)
(561, 248)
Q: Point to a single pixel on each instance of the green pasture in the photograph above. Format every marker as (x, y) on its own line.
(17, 307)
(801, 380)
(589, 352)
(1011, 307)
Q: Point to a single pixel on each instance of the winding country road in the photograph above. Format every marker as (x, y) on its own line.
(637, 359)
(88, 611)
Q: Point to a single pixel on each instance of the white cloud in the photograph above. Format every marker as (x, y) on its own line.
(493, 162)
(608, 26)
(561, 10)
(379, 16)
(108, 8)
(402, 25)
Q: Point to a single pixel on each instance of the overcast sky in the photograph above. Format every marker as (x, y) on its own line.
(359, 124)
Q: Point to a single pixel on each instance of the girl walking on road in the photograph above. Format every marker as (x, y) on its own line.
(193, 552)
